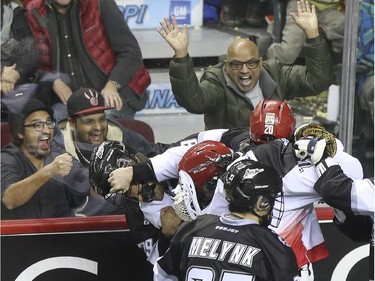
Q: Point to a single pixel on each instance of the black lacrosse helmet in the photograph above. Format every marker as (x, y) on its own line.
(247, 181)
(107, 157)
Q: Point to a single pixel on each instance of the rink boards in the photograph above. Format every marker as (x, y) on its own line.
(101, 248)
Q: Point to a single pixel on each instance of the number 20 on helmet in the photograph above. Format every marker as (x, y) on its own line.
(272, 119)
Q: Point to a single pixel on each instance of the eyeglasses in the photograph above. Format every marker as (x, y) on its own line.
(250, 64)
(40, 125)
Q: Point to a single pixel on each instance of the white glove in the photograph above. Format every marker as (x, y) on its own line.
(310, 147)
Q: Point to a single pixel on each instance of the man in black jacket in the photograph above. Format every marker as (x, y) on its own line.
(39, 180)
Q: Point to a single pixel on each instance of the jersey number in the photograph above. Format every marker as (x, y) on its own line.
(208, 274)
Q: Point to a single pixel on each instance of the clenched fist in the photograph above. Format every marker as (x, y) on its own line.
(61, 166)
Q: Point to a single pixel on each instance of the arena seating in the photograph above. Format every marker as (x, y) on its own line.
(139, 127)
(6, 136)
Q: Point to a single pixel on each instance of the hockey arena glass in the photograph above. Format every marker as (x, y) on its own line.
(38, 126)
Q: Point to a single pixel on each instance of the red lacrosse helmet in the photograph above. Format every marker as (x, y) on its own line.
(199, 162)
(272, 119)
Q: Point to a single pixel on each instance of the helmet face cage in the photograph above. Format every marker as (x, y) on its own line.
(199, 163)
(246, 181)
(278, 210)
(107, 157)
(186, 203)
(270, 120)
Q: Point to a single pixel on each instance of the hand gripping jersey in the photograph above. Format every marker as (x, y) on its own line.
(226, 248)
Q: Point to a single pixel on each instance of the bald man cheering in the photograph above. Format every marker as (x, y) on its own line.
(228, 92)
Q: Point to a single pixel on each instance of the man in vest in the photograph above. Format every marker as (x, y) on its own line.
(88, 44)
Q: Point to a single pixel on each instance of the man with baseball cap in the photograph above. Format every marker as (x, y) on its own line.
(39, 180)
(86, 128)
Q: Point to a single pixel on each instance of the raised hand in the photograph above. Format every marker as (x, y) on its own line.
(9, 78)
(306, 18)
(176, 38)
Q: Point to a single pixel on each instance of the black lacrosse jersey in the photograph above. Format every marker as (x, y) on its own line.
(143, 232)
(226, 248)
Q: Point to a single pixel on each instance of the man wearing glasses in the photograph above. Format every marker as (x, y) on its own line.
(38, 180)
(229, 91)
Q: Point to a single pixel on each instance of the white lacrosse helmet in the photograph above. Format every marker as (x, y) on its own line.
(186, 203)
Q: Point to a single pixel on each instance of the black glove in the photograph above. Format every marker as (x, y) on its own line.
(223, 161)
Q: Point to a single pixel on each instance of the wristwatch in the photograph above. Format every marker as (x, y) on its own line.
(116, 84)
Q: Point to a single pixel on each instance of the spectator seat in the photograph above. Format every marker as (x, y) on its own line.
(6, 136)
(139, 127)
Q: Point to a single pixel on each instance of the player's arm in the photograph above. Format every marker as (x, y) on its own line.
(157, 168)
(122, 178)
(336, 188)
(340, 191)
